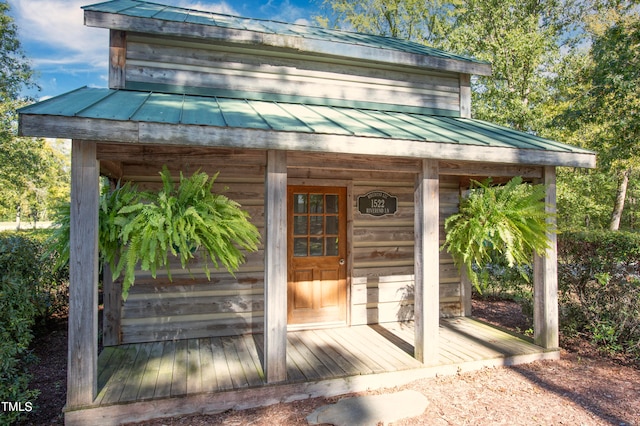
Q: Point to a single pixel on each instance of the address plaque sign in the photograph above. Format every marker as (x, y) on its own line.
(377, 203)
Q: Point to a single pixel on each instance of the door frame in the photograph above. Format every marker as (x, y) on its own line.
(348, 185)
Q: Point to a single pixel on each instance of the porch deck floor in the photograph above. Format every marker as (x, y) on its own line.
(159, 370)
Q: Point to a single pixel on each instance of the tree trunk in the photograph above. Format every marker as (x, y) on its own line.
(621, 194)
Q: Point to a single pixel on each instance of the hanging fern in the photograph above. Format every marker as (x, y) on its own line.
(180, 221)
(141, 229)
(508, 221)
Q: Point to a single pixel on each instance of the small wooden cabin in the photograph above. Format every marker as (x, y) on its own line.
(348, 150)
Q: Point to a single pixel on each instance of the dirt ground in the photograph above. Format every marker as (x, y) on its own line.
(583, 388)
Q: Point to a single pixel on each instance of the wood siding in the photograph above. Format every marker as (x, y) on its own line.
(383, 263)
(191, 306)
(380, 255)
(200, 67)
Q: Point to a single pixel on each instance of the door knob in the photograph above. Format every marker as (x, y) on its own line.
(341, 261)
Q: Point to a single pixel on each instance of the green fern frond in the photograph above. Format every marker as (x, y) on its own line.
(510, 220)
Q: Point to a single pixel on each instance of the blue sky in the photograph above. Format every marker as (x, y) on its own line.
(66, 55)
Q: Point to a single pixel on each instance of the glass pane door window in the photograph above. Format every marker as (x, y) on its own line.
(316, 224)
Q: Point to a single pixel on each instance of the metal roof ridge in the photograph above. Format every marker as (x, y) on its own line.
(258, 113)
(140, 106)
(226, 122)
(110, 92)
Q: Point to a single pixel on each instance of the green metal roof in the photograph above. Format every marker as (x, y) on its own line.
(143, 9)
(289, 117)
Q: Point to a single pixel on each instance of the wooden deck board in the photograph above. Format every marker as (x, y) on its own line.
(161, 370)
(343, 337)
(236, 372)
(314, 358)
(149, 378)
(134, 380)
(114, 387)
(194, 367)
(324, 355)
(331, 349)
(179, 382)
(208, 372)
(329, 342)
(374, 347)
(252, 371)
(223, 373)
(304, 365)
(165, 370)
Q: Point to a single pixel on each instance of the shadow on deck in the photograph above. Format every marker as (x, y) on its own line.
(209, 375)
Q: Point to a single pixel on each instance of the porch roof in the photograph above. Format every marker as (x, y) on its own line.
(224, 121)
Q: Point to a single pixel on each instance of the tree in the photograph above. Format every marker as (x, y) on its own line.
(420, 21)
(33, 175)
(616, 97)
(519, 38)
(522, 40)
(597, 101)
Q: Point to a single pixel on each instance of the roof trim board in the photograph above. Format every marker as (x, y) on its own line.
(153, 18)
(145, 117)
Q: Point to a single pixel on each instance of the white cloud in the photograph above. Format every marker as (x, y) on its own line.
(55, 29)
(218, 7)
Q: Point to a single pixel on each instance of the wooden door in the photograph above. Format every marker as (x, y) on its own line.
(317, 285)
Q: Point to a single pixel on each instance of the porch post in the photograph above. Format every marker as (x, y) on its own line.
(275, 268)
(427, 263)
(545, 277)
(82, 378)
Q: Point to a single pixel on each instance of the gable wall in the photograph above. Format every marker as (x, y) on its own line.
(198, 67)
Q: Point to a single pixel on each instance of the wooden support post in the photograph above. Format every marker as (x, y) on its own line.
(275, 275)
(427, 263)
(117, 59)
(545, 278)
(82, 378)
(465, 95)
(112, 308)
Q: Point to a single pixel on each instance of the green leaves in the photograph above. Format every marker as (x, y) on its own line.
(142, 229)
(508, 221)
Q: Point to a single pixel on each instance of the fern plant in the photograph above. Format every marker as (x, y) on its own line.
(509, 221)
(143, 228)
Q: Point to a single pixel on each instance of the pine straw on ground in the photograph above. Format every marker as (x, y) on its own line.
(583, 388)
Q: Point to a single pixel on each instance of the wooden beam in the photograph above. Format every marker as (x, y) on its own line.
(82, 367)
(482, 170)
(427, 263)
(117, 59)
(465, 95)
(545, 277)
(167, 134)
(111, 169)
(275, 275)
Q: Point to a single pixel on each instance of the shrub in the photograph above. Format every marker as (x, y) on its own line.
(30, 292)
(599, 284)
(507, 282)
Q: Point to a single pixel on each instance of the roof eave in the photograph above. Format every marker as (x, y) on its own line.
(36, 125)
(297, 43)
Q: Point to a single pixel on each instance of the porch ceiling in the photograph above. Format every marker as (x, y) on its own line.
(158, 118)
